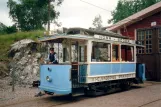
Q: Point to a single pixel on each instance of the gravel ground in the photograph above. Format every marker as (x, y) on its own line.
(146, 95)
(21, 92)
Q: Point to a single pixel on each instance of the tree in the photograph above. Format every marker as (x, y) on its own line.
(2, 28)
(97, 22)
(126, 8)
(7, 29)
(32, 14)
(11, 29)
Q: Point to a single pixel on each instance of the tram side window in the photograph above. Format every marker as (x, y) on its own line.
(82, 53)
(65, 55)
(101, 52)
(115, 53)
(74, 53)
(127, 53)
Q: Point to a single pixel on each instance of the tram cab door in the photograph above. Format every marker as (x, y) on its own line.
(74, 64)
(78, 56)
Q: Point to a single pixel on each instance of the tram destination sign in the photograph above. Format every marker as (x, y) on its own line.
(110, 77)
(114, 39)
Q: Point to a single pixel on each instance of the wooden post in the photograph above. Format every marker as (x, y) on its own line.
(13, 80)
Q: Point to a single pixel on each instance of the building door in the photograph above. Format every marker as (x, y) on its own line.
(150, 55)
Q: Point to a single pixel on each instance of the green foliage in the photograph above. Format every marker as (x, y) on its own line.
(126, 8)
(2, 28)
(31, 14)
(8, 39)
(11, 29)
(97, 22)
(7, 29)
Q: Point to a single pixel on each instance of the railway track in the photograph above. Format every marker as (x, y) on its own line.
(154, 101)
(49, 101)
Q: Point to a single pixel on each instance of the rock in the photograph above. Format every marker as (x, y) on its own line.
(27, 58)
(17, 55)
(20, 44)
(37, 55)
(22, 77)
(25, 63)
(35, 70)
(4, 71)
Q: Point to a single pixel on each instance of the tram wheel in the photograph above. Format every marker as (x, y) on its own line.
(70, 96)
(126, 85)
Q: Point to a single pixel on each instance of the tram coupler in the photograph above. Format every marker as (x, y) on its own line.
(39, 94)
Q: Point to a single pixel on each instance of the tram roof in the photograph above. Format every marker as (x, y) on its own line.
(92, 32)
(82, 33)
(95, 37)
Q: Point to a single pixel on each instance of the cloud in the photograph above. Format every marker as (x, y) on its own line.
(73, 13)
(4, 13)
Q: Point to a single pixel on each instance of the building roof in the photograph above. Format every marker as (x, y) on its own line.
(137, 16)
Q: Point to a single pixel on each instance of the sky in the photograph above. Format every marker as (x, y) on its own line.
(73, 13)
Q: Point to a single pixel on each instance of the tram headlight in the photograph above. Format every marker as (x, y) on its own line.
(48, 79)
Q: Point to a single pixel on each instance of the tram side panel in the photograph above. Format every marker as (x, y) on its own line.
(111, 71)
(55, 79)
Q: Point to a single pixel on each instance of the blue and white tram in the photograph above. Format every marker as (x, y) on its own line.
(91, 62)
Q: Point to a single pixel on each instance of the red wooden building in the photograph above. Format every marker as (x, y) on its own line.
(145, 26)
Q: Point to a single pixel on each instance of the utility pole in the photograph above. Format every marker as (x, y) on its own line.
(49, 15)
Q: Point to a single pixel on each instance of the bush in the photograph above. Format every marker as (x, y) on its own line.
(7, 39)
(11, 29)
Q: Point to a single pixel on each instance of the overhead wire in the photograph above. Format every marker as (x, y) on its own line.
(96, 6)
(127, 19)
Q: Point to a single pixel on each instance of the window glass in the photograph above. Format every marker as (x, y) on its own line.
(127, 53)
(142, 42)
(74, 53)
(159, 32)
(115, 52)
(150, 50)
(140, 37)
(101, 52)
(146, 40)
(149, 37)
(82, 54)
(159, 42)
(65, 54)
(159, 45)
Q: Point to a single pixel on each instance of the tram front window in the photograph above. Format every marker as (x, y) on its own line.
(101, 52)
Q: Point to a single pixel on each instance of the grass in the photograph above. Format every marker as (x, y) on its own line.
(8, 39)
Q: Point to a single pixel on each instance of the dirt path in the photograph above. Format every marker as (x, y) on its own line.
(136, 97)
